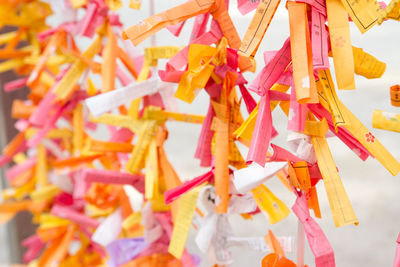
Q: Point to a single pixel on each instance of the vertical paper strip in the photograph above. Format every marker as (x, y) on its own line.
(187, 206)
(151, 175)
(41, 167)
(258, 26)
(78, 133)
(222, 166)
(304, 81)
(339, 32)
(67, 84)
(339, 117)
(319, 40)
(134, 163)
(342, 211)
(109, 64)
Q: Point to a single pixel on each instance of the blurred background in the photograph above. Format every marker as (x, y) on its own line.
(373, 191)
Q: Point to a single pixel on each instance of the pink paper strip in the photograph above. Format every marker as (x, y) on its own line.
(108, 177)
(74, 216)
(319, 40)
(273, 70)
(15, 170)
(397, 255)
(248, 99)
(15, 85)
(21, 125)
(121, 135)
(278, 96)
(281, 154)
(199, 26)
(41, 113)
(286, 78)
(203, 150)
(34, 246)
(176, 29)
(124, 78)
(262, 133)
(297, 113)
(246, 6)
(319, 244)
(175, 193)
(94, 17)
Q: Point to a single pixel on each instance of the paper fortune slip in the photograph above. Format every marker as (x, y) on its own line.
(92, 162)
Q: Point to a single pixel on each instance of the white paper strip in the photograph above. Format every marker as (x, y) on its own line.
(102, 103)
(248, 178)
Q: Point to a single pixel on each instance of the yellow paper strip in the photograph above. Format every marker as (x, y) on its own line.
(45, 193)
(364, 13)
(367, 65)
(187, 206)
(339, 31)
(386, 120)
(329, 95)
(371, 143)
(258, 26)
(131, 220)
(269, 203)
(136, 159)
(342, 211)
(151, 176)
(68, 82)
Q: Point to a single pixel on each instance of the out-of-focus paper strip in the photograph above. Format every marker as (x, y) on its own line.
(138, 152)
(138, 33)
(187, 206)
(135, 4)
(67, 84)
(395, 95)
(392, 11)
(151, 176)
(109, 63)
(386, 120)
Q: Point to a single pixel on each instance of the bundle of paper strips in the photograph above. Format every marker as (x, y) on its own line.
(117, 201)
